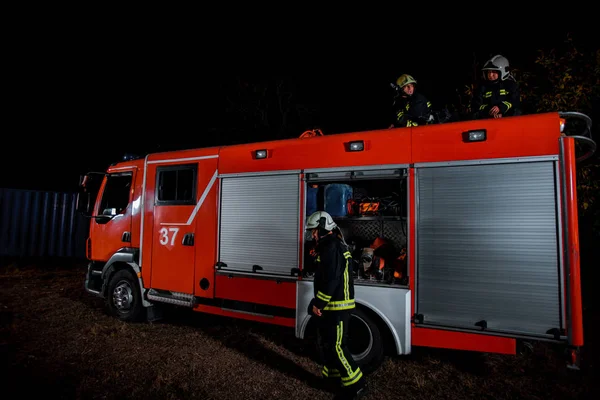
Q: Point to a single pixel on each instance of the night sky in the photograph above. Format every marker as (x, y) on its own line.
(75, 106)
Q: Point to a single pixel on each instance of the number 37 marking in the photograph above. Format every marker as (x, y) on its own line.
(164, 235)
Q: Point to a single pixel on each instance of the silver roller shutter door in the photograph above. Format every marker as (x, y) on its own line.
(259, 223)
(487, 247)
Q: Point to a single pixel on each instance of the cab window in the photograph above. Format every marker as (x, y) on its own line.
(176, 185)
(116, 195)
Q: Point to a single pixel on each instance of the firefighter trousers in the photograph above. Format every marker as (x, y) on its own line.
(338, 362)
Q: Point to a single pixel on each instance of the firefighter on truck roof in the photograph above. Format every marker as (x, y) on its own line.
(411, 108)
(498, 95)
(331, 305)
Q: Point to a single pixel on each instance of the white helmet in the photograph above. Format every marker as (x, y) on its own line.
(497, 63)
(320, 219)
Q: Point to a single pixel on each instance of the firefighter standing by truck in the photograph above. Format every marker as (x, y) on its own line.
(498, 96)
(331, 305)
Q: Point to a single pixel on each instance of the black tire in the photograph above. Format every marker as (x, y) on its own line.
(124, 299)
(365, 341)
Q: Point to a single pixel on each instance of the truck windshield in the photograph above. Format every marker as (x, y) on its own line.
(116, 194)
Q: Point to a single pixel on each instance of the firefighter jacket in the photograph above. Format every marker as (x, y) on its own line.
(333, 285)
(504, 94)
(412, 111)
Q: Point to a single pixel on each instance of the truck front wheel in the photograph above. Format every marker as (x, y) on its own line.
(124, 299)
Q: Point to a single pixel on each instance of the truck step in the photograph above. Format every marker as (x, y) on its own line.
(176, 298)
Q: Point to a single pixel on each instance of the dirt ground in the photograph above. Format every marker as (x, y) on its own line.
(56, 340)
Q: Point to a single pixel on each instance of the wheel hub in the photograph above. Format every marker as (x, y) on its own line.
(122, 296)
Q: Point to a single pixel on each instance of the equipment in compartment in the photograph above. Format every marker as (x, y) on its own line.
(310, 258)
(336, 199)
(379, 197)
(380, 261)
(365, 205)
(370, 213)
(312, 204)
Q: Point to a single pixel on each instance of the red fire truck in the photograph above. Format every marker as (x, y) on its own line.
(464, 234)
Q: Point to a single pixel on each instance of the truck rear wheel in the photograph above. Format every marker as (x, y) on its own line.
(365, 341)
(124, 299)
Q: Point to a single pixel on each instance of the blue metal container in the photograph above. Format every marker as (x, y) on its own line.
(311, 200)
(41, 224)
(336, 199)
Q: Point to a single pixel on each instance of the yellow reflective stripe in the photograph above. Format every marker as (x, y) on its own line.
(339, 308)
(508, 105)
(428, 104)
(347, 255)
(359, 375)
(340, 353)
(349, 380)
(482, 107)
(487, 94)
(340, 305)
(323, 296)
(333, 373)
(342, 302)
(503, 92)
(353, 376)
(318, 258)
(320, 297)
(346, 286)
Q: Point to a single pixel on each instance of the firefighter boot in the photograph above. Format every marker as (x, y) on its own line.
(331, 385)
(355, 392)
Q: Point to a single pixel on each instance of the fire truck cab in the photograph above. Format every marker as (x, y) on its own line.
(464, 235)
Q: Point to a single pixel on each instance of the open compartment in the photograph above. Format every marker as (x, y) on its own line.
(370, 208)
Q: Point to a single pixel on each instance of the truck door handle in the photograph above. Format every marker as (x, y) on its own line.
(126, 237)
(188, 239)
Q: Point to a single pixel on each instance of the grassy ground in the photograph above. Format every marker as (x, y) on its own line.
(56, 340)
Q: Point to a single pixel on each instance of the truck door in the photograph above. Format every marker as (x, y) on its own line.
(488, 248)
(111, 229)
(173, 237)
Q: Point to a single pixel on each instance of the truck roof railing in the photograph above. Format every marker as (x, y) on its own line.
(585, 136)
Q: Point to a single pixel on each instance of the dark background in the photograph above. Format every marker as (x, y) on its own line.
(80, 90)
(78, 102)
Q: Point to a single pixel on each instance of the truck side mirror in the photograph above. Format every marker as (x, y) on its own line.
(83, 203)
